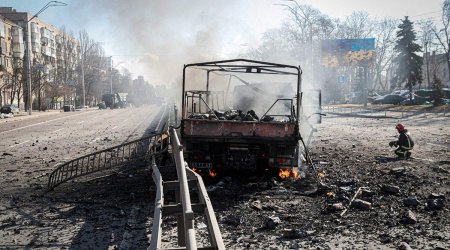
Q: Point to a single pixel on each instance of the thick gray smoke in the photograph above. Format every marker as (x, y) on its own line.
(161, 36)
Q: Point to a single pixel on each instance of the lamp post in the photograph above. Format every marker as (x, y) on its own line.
(27, 51)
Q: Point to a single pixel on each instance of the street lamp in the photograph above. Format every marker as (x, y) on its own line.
(28, 55)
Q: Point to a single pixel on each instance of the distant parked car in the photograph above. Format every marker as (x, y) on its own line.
(68, 108)
(389, 99)
(373, 96)
(9, 109)
(102, 105)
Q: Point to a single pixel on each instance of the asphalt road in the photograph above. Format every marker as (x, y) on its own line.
(34, 144)
(31, 146)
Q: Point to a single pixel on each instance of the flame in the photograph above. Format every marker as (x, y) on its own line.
(295, 174)
(284, 173)
(212, 173)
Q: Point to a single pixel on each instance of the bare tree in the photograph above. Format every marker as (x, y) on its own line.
(443, 35)
(384, 33)
(357, 25)
(93, 59)
(67, 61)
(427, 38)
(17, 80)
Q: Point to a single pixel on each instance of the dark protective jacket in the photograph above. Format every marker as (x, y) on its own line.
(405, 142)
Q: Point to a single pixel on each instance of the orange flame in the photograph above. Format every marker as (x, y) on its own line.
(295, 174)
(212, 173)
(284, 173)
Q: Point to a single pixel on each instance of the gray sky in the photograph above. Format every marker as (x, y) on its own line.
(151, 37)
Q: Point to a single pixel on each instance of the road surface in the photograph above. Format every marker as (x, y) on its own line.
(31, 146)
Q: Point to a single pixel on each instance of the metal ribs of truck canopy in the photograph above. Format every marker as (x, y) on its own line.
(244, 66)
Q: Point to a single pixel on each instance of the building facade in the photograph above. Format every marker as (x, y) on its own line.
(11, 57)
(54, 57)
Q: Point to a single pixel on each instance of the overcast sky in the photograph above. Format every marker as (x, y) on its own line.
(149, 37)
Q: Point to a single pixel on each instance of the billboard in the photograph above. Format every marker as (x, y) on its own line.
(345, 52)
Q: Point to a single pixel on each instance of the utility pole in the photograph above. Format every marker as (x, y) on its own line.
(28, 52)
(82, 80)
(28, 57)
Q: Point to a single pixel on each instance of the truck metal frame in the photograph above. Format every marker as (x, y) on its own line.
(214, 143)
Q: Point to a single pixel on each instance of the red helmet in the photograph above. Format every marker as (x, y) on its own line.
(400, 127)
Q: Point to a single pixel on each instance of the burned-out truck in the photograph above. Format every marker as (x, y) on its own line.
(242, 115)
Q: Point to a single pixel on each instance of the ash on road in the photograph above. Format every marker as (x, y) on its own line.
(402, 203)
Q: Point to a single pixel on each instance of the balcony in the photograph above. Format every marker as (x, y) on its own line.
(18, 50)
(34, 28)
(35, 47)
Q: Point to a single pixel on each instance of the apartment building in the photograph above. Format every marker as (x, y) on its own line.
(435, 65)
(11, 56)
(53, 53)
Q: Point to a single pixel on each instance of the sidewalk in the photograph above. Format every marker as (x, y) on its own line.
(23, 115)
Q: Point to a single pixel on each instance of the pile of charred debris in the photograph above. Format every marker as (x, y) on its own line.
(234, 115)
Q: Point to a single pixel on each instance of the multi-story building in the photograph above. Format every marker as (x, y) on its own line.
(11, 56)
(435, 65)
(53, 53)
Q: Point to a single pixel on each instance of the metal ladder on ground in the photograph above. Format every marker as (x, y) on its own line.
(184, 210)
(124, 154)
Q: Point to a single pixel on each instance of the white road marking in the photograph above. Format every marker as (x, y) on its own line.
(96, 139)
(58, 130)
(81, 122)
(15, 129)
(18, 144)
(114, 127)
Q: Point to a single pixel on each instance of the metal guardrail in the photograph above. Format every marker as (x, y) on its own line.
(155, 241)
(108, 158)
(188, 214)
(184, 210)
(375, 110)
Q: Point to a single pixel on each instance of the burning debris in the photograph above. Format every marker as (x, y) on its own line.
(285, 173)
(235, 115)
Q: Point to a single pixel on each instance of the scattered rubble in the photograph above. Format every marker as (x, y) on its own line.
(272, 222)
(408, 217)
(294, 233)
(411, 201)
(404, 246)
(233, 115)
(361, 204)
(390, 189)
(96, 214)
(435, 204)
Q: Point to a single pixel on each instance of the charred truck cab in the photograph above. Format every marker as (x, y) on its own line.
(232, 122)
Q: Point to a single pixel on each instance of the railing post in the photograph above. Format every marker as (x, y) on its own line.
(188, 214)
(175, 109)
(155, 242)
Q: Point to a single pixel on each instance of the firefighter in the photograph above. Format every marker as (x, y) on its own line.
(404, 142)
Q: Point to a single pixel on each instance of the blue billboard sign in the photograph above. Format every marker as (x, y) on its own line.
(340, 52)
(342, 46)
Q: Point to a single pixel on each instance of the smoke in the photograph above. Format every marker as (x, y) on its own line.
(158, 37)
